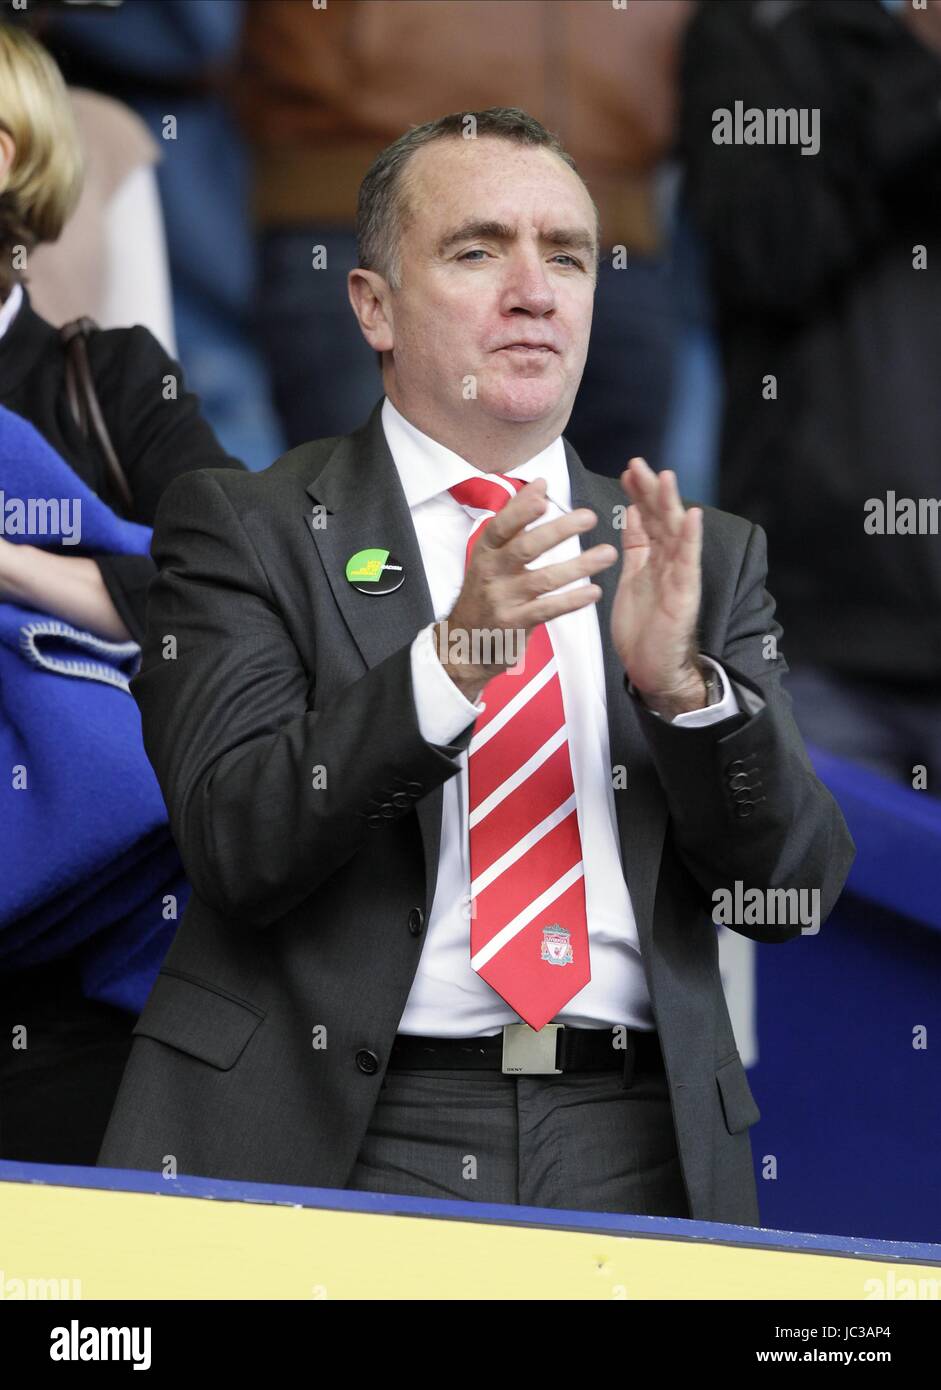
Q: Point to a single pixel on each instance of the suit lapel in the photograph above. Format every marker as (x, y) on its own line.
(366, 506)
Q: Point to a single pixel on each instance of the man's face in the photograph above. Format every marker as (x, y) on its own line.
(497, 283)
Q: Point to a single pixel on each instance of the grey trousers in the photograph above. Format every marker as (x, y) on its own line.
(578, 1141)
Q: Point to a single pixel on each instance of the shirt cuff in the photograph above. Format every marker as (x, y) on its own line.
(443, 712)
(735, 700)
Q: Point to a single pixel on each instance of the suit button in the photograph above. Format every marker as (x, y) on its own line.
(415, 788)
(367, 1061)
(401, 799)
(416, 920)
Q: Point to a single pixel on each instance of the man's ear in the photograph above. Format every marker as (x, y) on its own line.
(371, 299)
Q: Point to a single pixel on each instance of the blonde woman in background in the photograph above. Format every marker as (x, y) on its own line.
(55, 1095)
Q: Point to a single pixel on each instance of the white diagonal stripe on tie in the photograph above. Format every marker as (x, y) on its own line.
(516, 851)
(520, 775)
(521, 698)
(523, 919)
(481, 521)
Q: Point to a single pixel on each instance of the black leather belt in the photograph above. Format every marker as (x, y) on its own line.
(518, 1050)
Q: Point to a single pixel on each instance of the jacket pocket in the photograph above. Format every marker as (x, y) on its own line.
(738, 1104)
(197, 1019)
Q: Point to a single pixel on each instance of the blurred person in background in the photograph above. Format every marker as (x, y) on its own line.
(110, 262)
(171, 62)
(826, 266)
(55, 1095)
(324, 90)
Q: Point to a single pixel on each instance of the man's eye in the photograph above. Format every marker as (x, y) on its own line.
(480, 251)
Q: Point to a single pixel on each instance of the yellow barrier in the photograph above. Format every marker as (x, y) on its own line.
(125, 1244)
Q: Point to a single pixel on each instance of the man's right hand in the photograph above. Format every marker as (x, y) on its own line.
(500, 595)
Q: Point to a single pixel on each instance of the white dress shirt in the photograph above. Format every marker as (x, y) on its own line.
(10, 307)
(448, 998)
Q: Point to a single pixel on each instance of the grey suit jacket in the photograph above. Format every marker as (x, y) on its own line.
(278, 714)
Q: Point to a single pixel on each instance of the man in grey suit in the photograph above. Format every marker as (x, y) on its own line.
(456, 780)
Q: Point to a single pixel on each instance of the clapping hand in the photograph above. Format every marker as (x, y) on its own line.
(656, 605)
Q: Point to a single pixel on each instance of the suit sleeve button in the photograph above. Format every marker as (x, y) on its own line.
(415, 788)
(373, 821)
(401, 799)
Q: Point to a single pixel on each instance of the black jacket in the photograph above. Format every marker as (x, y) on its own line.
(309, 899)
(156, 439)
(812, 265)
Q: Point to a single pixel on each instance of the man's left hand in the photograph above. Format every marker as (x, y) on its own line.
(656, 606)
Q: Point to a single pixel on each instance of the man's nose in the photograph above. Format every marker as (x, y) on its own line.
(527, 286)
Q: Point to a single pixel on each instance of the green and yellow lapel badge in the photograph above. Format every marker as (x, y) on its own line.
(374, 571)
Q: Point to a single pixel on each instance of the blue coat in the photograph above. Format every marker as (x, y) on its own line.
(87, 864)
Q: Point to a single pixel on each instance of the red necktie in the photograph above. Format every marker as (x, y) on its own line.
(529, 930)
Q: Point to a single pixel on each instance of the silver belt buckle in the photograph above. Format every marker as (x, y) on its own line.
(528, 1052)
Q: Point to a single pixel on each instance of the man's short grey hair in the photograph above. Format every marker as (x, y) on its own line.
(383, 209)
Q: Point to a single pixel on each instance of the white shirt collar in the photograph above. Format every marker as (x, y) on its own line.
(10, 308)
(427, 468)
